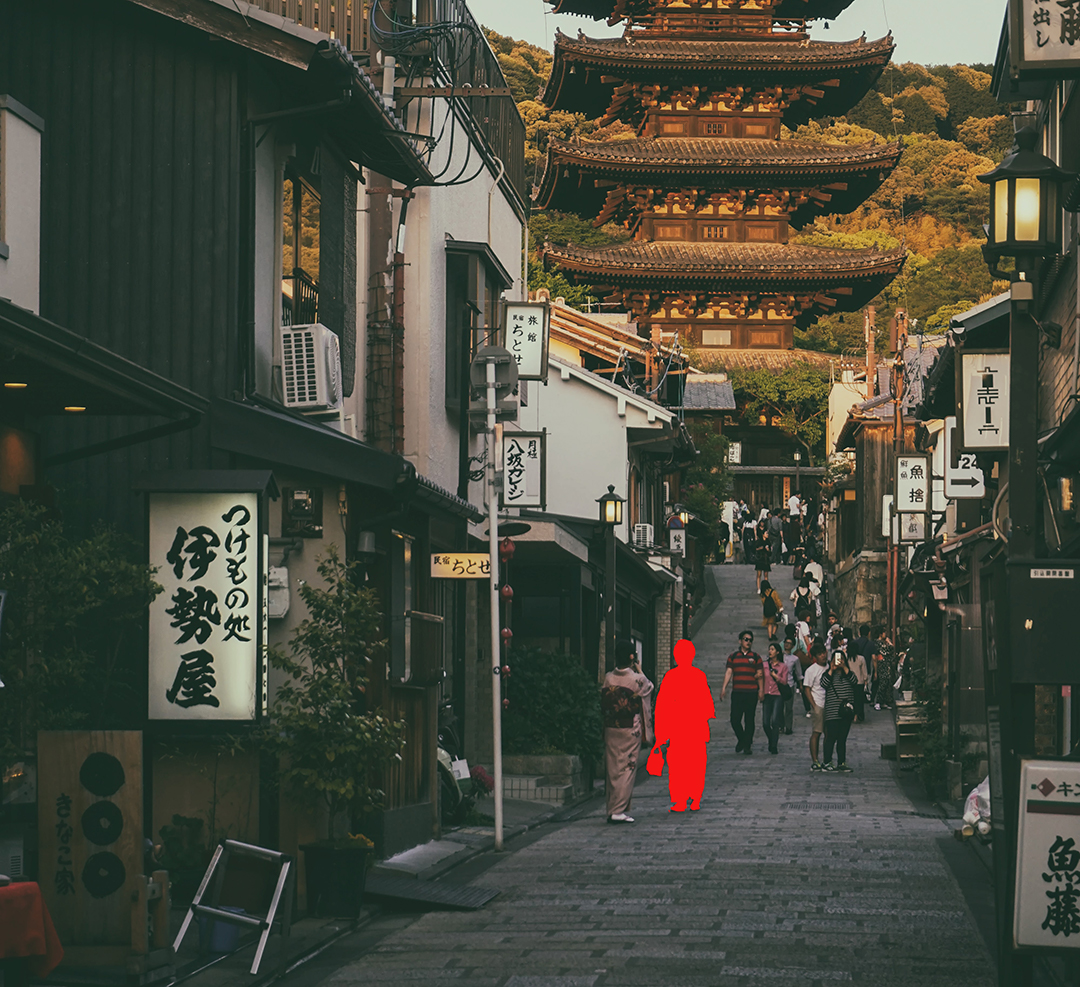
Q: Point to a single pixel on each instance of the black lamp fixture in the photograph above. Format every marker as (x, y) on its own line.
(611, 507)
(1025, 210)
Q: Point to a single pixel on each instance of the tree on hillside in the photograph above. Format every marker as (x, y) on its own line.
(796, 399)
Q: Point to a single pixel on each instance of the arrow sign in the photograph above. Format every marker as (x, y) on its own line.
(963, 479)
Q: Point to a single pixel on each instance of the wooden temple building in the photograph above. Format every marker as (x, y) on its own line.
(709, 189)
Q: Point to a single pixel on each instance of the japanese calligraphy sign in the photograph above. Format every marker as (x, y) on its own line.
(912, 495)
(677, 541)
(204, 628)
(90, 832)
(984, 393)
(1044, 36)
(460, 565)
(1048, 855)
(527, 327)
(524, 469)
(911, 527)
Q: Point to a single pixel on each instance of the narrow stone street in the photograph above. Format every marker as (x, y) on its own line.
(782, 877)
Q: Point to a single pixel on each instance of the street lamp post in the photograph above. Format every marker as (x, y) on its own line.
(797, 456)
(611, 515)
(1025, 224)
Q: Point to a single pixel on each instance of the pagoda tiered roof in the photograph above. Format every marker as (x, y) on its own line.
(616, 10)
(845, 175)
(855, 275)
(819, 78)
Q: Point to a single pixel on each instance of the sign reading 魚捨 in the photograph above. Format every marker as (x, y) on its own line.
(204, 627)
(1048, 855)
(1044, 36)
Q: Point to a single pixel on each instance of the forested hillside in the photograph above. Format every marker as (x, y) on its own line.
(953, 130)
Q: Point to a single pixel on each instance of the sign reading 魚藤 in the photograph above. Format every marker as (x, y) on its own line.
(527, 327)
(1048, 855)
(524, 469)
(1044, 37)
(912, 494)
(204, 627)
(460, 565)
(985, 395)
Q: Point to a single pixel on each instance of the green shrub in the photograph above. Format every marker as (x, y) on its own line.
(554, 706)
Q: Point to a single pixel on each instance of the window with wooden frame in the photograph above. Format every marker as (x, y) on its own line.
(300, 251)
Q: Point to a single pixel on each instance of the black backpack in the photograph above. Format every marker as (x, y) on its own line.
(768, 605)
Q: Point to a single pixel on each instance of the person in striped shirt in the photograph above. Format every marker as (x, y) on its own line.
(745, 678)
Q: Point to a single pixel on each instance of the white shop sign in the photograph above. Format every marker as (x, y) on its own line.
(204, 627)
(912, 484)
(1044, 37)
(677, 540)
(527, 328)
(985, 398)
(1048, 856)
(524, 469)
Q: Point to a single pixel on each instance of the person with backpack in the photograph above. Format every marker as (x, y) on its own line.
(777, 692)
(794, 667)
(802, 597)
(840, 686)
(772, 608)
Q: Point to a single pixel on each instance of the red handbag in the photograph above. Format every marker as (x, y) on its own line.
(655, 764)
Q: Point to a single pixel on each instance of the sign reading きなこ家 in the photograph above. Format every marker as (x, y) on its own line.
(204, 627)
(1048, 855)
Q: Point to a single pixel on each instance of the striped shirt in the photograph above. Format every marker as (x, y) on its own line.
(839, 689)
(745, 669)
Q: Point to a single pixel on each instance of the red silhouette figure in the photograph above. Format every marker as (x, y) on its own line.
(684, 707)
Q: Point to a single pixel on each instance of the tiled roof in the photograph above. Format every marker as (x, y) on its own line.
(723, 153)
(602, 9)
(820, 78)
(768, 359)
(674, 51)
(708, 392)
(740, 262)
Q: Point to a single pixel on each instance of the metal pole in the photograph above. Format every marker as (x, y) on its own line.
(609, 603)
(496, 640)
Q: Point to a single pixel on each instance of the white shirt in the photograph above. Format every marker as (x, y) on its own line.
(814, 569)
(812, 680)
(793, 505)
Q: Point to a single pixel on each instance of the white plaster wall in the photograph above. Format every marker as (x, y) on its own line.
(587, 442)
(435, 215)
(20, 173)
(841, 398)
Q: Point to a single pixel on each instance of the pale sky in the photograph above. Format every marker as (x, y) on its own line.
(931, 32)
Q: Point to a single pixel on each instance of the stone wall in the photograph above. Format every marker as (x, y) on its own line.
(860, 590)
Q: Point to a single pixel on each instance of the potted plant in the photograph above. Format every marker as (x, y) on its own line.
(330, 746)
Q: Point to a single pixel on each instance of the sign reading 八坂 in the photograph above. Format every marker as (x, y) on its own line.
(204, 627)
(527, 327)
(912, 495)
(1044, 37)
(524, 469)
(1048, 855)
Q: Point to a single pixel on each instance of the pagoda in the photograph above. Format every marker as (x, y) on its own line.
(708, 187)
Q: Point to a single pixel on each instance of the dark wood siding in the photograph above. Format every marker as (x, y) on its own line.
(140, 200)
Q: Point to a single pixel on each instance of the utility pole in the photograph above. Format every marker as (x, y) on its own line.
(898, 450)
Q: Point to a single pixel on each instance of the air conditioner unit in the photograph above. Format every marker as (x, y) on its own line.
(310, 368)
(643, 536)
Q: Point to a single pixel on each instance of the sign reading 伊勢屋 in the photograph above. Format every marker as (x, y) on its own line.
(1044, 37)
(204, 627)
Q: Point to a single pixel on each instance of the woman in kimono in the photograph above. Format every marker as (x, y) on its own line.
(626, 706)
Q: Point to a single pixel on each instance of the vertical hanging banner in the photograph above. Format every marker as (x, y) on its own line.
(912, 484)
(524, 469)
(984, 392)
(527, 330)
(204, 627)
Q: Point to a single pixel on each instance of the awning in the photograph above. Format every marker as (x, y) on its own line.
(280, 436)
(277, 435)
(62, 369)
